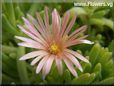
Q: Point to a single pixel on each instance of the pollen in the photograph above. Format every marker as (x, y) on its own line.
(54, 49)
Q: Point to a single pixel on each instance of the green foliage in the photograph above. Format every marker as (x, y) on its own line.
(84, 79)
(99, 21)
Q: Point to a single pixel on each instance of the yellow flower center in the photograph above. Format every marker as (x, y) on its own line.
(54, 49)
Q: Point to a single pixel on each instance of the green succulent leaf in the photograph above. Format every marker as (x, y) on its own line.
(78, 11)
(94, 53)
(97, 71)
(107, 81)
(102, 22)
(21, 66)
(111, 46)
(86, 67)
(100, 14)
(10, 12)
(84, 79)
(67, 76)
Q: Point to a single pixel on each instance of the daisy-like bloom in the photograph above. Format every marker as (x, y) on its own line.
(52, 42)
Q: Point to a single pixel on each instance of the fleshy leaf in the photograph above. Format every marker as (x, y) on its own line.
(67, 76)
(107, 81)
(94, 53)
(78, 11)
(97, 71)
(111, 46)
(84, 79)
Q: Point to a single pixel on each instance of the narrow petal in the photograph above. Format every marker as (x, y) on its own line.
(35, 23)
(41, 64)
(70, 66)
(47, 66)
(65, 22)
(33, 54)
(46, 18)
(77, 55)
(86, 42)
(74, 60)
(59, 65)
(30, 27)
(78, 31)
(26, 39)
(36, 59)
(70, 25)
(28, 33)
(40, 21)
(32, 36)
(46, 22)
(55, 22)
(74, 41)
(42, 28)
(31, 45)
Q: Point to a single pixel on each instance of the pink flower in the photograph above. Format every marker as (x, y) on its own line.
(52, 42)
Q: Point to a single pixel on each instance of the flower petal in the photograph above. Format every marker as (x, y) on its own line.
(35, 23)
(42, 28)
(59, 65)
(86, 41)
(46, 18)
(32, 36)
(47, 66)
(26, 39)
(30, 27)
(77, 55)
(33, 54)
(78, 31)
(74, 60)
(65, 22)
(69, 27)
(31, 45)
(36, 59)
(74, 41)
(55, 22)
(41, 64)
(70, 66)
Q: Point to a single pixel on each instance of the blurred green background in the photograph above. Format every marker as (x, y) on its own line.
(101, 54)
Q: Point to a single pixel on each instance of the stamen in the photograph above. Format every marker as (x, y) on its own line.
(54, 49)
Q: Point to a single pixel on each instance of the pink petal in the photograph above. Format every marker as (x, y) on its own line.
(59, 65)
(74, 60)
(33, 54)
(46, 18)
(70, 66)
(35, 23)
(77, 55)
(42, 28)
(31, 45)
(41, 64)
(30, 27)
(36, 59)
(78, 31)
(65, 22)
(55, 22)
(47, 66)
(69, 27)
(26, 39)
(74, 41)
(32, 36)
(86, 41)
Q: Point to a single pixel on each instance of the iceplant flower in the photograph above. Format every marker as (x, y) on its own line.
(52, 42)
